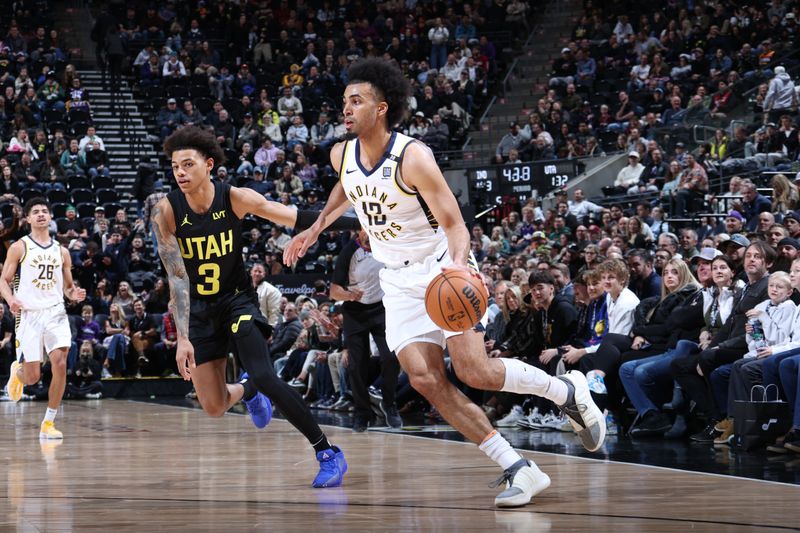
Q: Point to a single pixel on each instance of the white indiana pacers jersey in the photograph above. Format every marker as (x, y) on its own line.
(401, 227)
(40, 278)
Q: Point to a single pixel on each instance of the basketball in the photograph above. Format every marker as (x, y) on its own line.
(455, 300)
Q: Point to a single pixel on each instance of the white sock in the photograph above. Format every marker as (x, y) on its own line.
(50, 415)
(522, 378)
(499, 450)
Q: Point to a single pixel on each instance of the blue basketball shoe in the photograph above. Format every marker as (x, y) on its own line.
(259, 407)
(332, 467)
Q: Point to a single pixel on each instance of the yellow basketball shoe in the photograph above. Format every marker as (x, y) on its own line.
(48, 431)
(15, 385)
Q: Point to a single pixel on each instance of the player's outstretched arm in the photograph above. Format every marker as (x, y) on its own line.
(71, 291)
(163, 222)
(13, 258)
(336, 205)
(420, 172)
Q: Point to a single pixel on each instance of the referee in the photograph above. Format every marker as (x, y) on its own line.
(356, 281)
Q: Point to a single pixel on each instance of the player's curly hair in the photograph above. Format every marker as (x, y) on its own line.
(195, 138)
(389, 82)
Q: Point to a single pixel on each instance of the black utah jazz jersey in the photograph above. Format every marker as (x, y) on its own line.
(210, 244)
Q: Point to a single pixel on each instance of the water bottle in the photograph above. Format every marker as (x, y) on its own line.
(758, 334)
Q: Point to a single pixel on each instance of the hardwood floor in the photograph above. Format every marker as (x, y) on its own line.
(127, 466)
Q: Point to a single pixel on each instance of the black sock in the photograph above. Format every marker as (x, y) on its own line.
(322, 444)
(250, 390)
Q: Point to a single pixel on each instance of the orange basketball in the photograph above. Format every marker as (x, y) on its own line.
(455, 300)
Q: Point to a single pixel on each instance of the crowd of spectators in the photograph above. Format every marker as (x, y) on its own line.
(637, 81)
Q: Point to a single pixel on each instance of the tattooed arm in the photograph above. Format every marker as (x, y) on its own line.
(163, 221)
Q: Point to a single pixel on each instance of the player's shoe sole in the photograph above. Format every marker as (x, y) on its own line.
(585, 417)
(14, 385)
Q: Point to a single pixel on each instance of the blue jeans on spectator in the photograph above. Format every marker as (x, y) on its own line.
(94, 172)
(72, 356)
(790, 379)
(648, 378)
(246, 166)
(771, 367)
(116, 352)
(438, 55)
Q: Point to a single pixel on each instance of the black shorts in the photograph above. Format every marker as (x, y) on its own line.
(214, 323)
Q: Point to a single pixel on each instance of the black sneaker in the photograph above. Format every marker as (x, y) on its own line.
(792, 441)
(706, 436)
(652, 424)
(391, 415)
(360, 423)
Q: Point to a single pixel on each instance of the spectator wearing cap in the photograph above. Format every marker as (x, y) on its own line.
(312, 201)
(734, 223)
(512, 139)
(247, 132)
(628, 176)
(789, 249)
(781, 96)
(168, 118)
(51, 94)
(701, 263)
(258, 184)
(245, 82)
(72, 160)
(734, 248)
(792, 222)
(753, 204)
(221, 82)
(564, 69)
(174, 70)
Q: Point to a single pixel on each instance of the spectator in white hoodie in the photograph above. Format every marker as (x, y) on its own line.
(781, 95)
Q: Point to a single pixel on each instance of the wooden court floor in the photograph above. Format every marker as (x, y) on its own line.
(128, 466)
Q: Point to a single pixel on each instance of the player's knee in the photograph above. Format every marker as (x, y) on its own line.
(428, 383)
(214, 409)
(58, 364)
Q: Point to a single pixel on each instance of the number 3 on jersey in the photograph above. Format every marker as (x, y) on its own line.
(374, 213)
(210, 273)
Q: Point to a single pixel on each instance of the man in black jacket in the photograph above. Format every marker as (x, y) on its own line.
(730, 342)
(285, 333)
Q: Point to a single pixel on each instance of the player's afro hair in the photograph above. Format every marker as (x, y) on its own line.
(194, 138)
(390, 84)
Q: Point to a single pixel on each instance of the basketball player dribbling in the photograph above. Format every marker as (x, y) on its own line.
(40, 270)
(199, 232)
(416, 230)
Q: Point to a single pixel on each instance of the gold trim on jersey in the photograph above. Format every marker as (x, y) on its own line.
(397, 178)
(25, 253)
(344, 160)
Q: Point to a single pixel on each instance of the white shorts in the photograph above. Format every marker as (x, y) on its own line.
(407, 321)
(42, 331)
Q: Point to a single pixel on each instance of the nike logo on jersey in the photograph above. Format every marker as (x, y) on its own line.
(186, 221)
(242, 318)
(350, 171)
(441, 256)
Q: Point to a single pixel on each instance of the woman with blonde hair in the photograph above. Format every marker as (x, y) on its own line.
(654, 331)
(785, 194)
(116, 341)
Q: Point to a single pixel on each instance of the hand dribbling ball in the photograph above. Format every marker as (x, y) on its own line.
(455, 300)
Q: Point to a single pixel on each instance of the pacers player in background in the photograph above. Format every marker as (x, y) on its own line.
(40, 270)
(199, 233)
(416, 230)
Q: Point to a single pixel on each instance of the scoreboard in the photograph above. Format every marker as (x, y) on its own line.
(501, 185)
